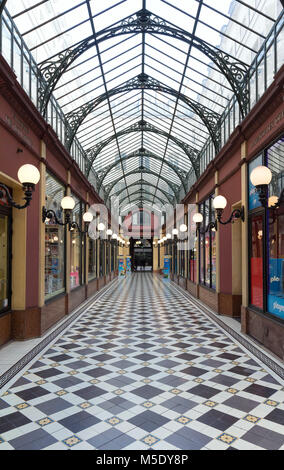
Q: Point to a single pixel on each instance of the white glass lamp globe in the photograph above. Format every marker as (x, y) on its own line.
(183, 228)
(109, 232)
(272, 201)
(114, 236)
(219, 202)
(68, 203)
(175, 231)
(168, 236)
(88, 217)
(198, 218)
(261, 175)
(28, 174)
(164, 238)
(101, 227)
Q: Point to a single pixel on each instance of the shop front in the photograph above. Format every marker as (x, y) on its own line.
(265, 319)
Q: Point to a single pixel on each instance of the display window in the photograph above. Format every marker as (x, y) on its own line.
(5, 255)
(256, 261)
(54, 240)
(76, 247)
(192, 244)
(92, 273)
(266, 231)
(102, 257)
(207, 246)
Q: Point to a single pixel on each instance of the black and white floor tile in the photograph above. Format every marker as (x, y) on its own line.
(143, 368)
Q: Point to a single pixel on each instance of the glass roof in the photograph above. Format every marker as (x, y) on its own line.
(143, 82)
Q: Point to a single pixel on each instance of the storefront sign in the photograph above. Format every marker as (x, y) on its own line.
(269, 128)
(18, 126)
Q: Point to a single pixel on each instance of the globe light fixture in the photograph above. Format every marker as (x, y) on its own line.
(114, 236)
(68, 203)
(175, 232)
(109, 232)
(183, 228)
(261, 177)
(88, 217)
(198, 218)
(273, 201)
(168, 236)
(29, 176)
(219, 204)
(101, 227)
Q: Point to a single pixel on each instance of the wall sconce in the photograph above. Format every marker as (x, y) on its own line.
(219, 204)
(29, 176)
(67, 205)
(87, 218)
(198, 219)
(261, 177)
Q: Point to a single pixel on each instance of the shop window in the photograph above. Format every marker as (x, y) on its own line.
(54, 240)
(275, 290)
(207, 266)
(5, 255)
(275, 300)
(92, 259)
(192, 244)
(76, 245)
(102, 258)
(256, 261)
(253, 196)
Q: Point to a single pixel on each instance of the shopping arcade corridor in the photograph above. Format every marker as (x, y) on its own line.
(143, 368)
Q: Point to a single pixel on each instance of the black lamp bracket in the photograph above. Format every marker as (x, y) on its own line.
(28, 189)
(236, 214)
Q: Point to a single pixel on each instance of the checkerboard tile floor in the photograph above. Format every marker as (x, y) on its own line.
(143, 368)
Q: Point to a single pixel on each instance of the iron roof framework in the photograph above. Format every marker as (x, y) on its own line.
(142, 90)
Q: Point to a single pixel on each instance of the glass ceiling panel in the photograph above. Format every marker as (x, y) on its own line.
(52, 27)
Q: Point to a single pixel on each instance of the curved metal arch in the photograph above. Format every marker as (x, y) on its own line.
(144, 126)
(140, 200)
(143, 192)
(209, 118)
(169, 197)
(103, 173)
(173, 187)
(144, 21)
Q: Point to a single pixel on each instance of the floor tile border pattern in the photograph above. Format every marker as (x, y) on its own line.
(24, 361)
(276, 368)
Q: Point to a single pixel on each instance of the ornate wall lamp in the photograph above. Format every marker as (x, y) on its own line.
(29, 176)
(67, 205)
(198, 219)
(219, 204)
(261, 177)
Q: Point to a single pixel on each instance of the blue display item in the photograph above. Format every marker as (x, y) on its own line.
(275, 305)
(253, 195)
(276, 276)
(121, 268)
(128, 264)
(167, 267)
